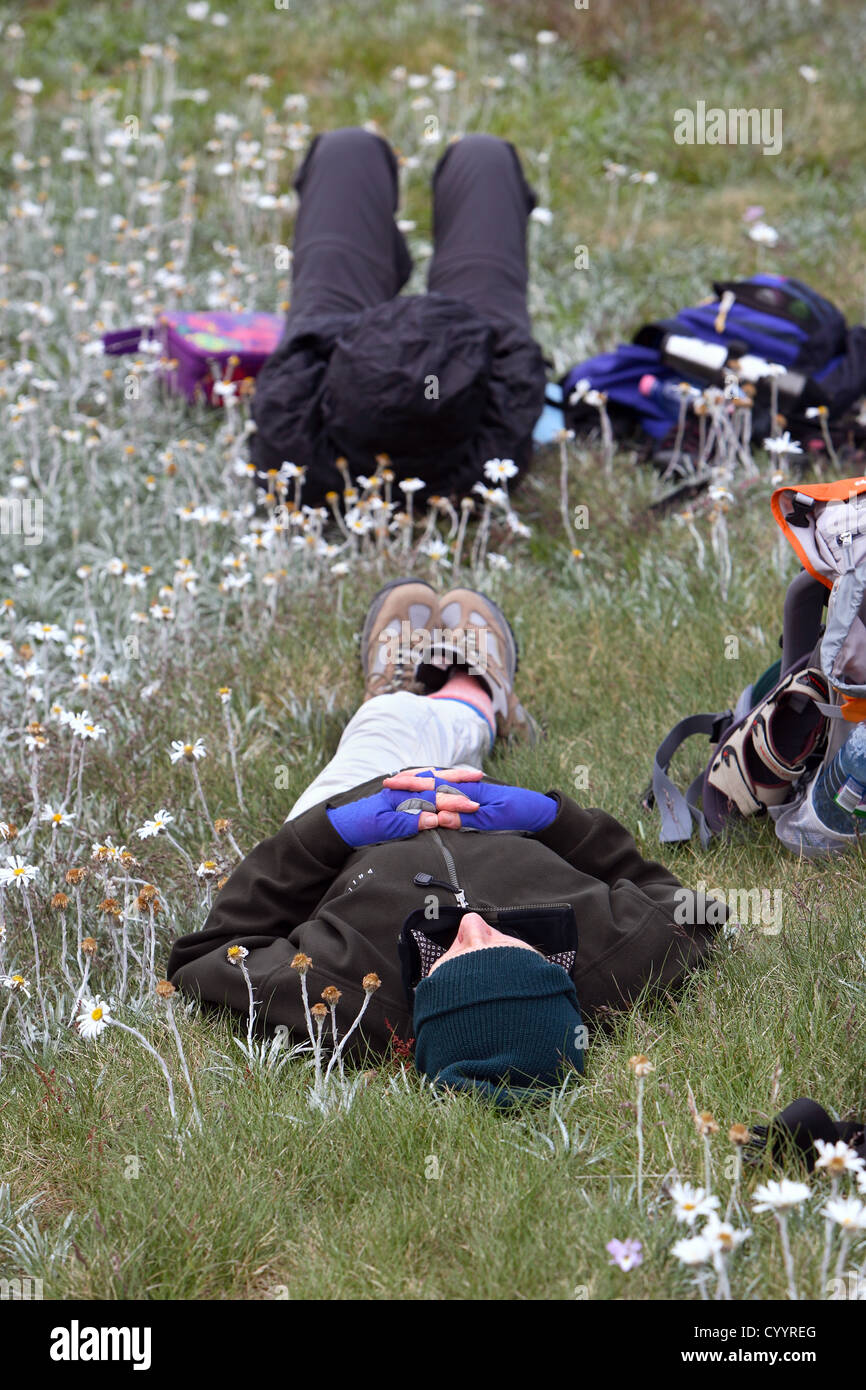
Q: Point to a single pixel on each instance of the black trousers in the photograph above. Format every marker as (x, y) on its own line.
(350, 263)
(349, 253)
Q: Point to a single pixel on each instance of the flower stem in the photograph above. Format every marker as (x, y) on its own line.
(115, 1023)
(786, 1255)
(337, 1054)
(640, 1084)
(172, 1023)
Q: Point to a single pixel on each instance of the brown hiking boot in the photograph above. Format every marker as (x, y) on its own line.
(475, 633)
(397, 634)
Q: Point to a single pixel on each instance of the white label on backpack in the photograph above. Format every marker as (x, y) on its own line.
(710, 355)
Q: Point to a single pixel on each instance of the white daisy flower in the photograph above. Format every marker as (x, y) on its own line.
(46, 632)
(690, 1203)
(692, 1250)
(190, 751)
(84, 727)
(779, 1196)
(494, 495)
(847, 1212)
(764, 234)
(93, 1018)
(161, 819)
(17, 871)
(722, 1236)
(782, 444)
(16, 983)
(438, 551)
(498, 470)
(838, 1158)
(56, 818)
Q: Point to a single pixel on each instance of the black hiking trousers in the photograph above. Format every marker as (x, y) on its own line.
(471, 331)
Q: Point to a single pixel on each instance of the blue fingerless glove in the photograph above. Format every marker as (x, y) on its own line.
(508, 808)
(376, 818)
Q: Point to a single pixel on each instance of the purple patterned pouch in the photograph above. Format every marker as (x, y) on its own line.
(197, 347)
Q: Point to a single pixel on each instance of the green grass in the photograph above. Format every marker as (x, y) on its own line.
(271, 1200)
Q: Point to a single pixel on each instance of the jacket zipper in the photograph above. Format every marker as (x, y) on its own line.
(428, 881)
(453, 885)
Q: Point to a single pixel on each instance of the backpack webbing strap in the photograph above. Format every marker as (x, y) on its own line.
(678, 810)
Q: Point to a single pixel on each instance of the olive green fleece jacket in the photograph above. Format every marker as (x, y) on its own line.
(305, 889)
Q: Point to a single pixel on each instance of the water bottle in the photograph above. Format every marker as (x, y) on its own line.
(840, 787)
(665, 394)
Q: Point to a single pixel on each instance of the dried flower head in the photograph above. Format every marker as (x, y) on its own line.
(88, 946)
(75, 876)
(739, 1134)
(222, 825)
(165, 989)
(110, 906)
(148, 901)
(331, 995)
(60, 901)
(319, 1011)
(640, 1065)
(301, 963)
(148, 893)
(705, 1123)
(371, 983)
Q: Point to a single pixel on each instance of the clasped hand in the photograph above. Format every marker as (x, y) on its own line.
(390, 815)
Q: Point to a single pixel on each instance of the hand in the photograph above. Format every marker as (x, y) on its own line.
(450, 801)
(392, 815)
(496, 808)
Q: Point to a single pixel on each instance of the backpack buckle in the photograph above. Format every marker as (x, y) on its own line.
(801, 507)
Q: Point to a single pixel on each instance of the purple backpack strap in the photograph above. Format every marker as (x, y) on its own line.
(121, 340)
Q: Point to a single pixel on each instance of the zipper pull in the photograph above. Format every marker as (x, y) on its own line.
(428, 881)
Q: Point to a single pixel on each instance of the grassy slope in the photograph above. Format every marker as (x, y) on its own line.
(612, 656)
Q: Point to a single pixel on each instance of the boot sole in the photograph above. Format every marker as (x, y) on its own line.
(376, 608)
(506, 624)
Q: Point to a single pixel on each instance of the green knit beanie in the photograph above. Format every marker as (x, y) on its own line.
(494, 1017)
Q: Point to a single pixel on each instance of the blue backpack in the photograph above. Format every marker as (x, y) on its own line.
(772, 318)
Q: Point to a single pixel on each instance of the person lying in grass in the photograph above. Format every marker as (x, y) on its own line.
(439, 382)
(495, 919)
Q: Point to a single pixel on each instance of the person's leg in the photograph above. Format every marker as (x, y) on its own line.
(481, 203)
(391, 732)
(348, 252)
